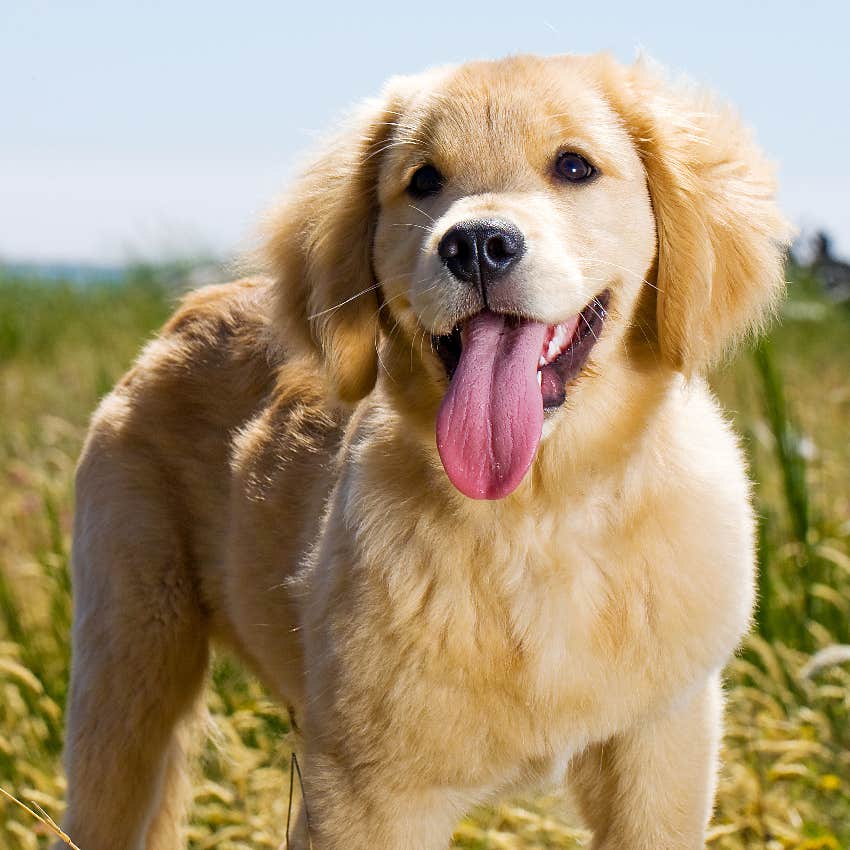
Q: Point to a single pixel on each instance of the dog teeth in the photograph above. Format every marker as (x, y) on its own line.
(556, 346)
(539, 377)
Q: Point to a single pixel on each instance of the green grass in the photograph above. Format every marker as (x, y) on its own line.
(786, 776)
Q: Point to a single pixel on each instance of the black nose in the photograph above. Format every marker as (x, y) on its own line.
(481, 252)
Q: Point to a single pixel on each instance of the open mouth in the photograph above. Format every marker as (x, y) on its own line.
(504, 372)
(565, 349)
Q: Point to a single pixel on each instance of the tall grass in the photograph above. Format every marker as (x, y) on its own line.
(819, 599)
(786, 779)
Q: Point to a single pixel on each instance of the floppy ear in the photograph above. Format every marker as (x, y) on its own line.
(319, 249)
(721, 238)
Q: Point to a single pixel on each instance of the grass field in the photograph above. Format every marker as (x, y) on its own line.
(786, 775)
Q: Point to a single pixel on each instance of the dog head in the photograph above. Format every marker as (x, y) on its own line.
(505, 227)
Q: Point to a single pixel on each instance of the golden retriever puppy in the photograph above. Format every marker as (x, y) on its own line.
(448, 478)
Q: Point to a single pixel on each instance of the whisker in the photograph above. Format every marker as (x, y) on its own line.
(358, 294)
(411, 224)
(406, 131)
(429, 217)
(387, 301)
(622, 268)
(589, 326)
(413, 346)
(401, 294)
(343, 303)
(395, 143)
(381, 361)
(652, 348)
(398, 276)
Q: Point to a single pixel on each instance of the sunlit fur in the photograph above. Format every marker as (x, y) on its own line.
(266, 476)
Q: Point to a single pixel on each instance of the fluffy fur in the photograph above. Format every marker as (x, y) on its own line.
(266, 477)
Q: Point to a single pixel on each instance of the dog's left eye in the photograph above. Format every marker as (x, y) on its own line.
(425, 181)
(574, 167)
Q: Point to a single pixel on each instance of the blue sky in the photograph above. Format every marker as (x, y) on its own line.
(141, 129)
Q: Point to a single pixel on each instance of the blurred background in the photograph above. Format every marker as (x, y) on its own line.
(143, 131)
(140, 143)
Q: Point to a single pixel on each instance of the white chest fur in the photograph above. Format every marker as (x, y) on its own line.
(521, 631)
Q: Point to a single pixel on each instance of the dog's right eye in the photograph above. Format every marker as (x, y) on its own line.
(425, 181)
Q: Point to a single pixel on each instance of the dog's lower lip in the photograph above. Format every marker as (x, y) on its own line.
(552, 375)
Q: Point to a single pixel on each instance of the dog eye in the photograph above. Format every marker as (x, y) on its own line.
(425, 181)
(574, 167)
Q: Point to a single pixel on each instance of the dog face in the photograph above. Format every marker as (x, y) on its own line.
(498, 227)
(504, 187)
(514, 220)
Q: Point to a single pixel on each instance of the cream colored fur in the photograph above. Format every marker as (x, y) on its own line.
(266, 477)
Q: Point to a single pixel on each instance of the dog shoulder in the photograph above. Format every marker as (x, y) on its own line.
(206, 372)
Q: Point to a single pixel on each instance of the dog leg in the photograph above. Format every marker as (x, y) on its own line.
(653, 786)
(139, 659)
(166, 829)
(347, 812)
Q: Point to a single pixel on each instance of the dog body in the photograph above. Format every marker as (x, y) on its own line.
(258, 480)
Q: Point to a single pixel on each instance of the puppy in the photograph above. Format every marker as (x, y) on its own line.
(447, 478)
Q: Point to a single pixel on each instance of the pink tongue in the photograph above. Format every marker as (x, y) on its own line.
(490, 420)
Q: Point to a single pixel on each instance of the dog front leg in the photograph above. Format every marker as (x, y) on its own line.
(348, 810)
(653, 786)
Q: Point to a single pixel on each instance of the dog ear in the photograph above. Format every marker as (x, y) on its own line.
(721, 237)
(319, 250)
